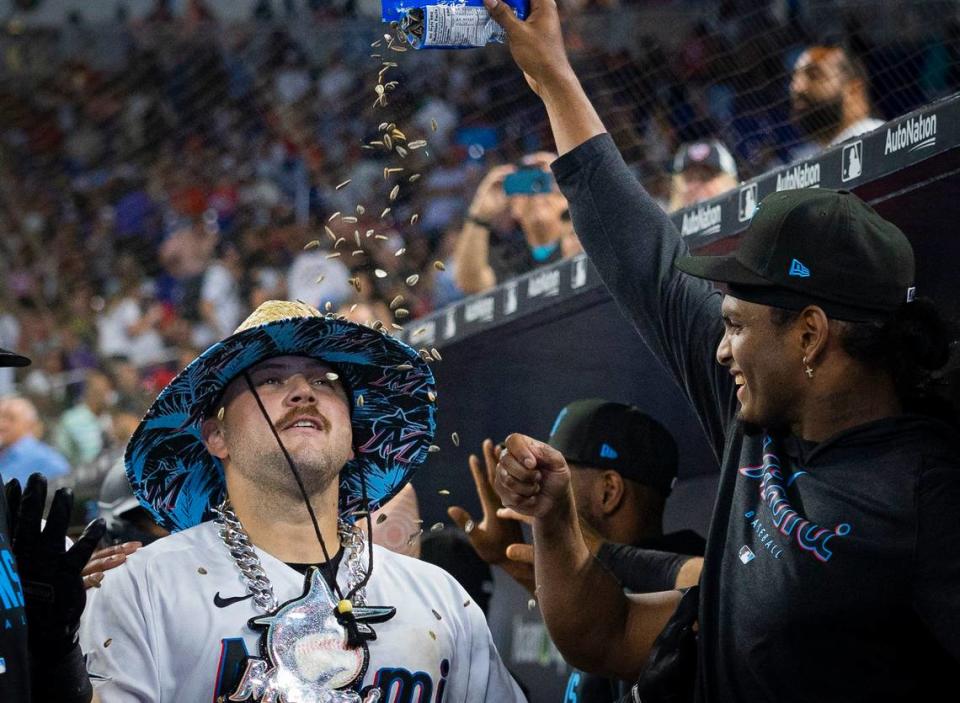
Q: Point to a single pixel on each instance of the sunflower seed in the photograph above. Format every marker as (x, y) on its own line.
(354, 306)
(395, 326)
(532, 604)
(443, 492)
(403, 367)
(417, 144)
(220, 414)
(333, 216)
(420, 330)
(466, 603)
(358, 252)
(433, 449)
(107, 642)
(412, 280)
(331, 376)
(356, 237)
(376, 143)
(344, 184)
(436, 354)
(431, 396)
(377, 43)
(401, 313)
(377, 325)
(413, 178)
(401, 152)
(368, 233)
(376, 56)
(394, 192)
(468, 526)
(379, 273)
(400, 252)
(395, 303)
(320, 278)
(436, 527)
(381, 517)
(435, 613)
(390, 171)
(378, 89)
(334, 255)
(355, 282)
(350, 219)
(381, 236)
(387, 141)
(455, 438)
(386, 211)
(438, 265)
(312, 244)
(397, 134)
(330, 233)
(413, 218)
(328, 306)
(425, 355)
(432, 634)
(340, 240)
(361, 209)
(433, 124)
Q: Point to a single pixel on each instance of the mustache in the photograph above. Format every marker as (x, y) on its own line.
(303, 414)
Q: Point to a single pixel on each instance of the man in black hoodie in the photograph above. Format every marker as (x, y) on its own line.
(832, 570)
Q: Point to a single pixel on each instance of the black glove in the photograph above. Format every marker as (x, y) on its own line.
(53, 587)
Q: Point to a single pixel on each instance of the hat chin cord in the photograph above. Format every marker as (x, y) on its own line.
(344, 609)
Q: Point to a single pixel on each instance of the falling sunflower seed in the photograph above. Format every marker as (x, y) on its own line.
(469, 526)
(432, 634)
(397, 134)
(455, 438)
(386, 211)
(344, 184)
(319, 279)
(395, 326)
(377, 325)
(379, 273)
(417, 144)
(360, 400)
(350, 220)
(466, 603)
(312, 244)
(401, 251)
(394, 192)
(435, 613)
(201, 571)
(400, 313)
(381, 236)
(354, 306)
(368, 233)
(361, 209)
(438, 265)
(381, 517)
(387, 142)
(330, 233)
(433, 449)
(433, 124)
(443, 492)
(340, 240)
(413, 218)
(401, 152)
(532, 604)
(334, 255)
(436, 354)
(413, 178)
(220, 414)
(328, 306)
(436, 527)
(431, 396)
(395, 303)
(331, 376)
(107, 642)
(412, 280)
(358, 252)
(356, 238)
(403, 367)
(333, 216)
(391, 171)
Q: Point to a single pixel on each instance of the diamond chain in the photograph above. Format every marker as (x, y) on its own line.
(245, 557)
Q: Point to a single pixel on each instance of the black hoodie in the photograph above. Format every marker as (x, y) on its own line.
(832, 571)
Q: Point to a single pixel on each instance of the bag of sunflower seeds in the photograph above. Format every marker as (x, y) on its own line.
(447, 24)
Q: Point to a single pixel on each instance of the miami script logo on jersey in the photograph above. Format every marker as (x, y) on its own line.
(304, 653)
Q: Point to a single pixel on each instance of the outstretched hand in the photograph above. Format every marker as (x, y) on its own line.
(493, 536)
(536, 43)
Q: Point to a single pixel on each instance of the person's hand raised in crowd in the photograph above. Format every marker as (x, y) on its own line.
(535, 43)
(490, 200)
(105, 559)
(531, 477)
(493, 537)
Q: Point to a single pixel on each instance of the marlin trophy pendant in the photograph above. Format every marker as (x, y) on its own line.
(304, 652)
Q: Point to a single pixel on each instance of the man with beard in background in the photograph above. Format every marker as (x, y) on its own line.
(829, 98)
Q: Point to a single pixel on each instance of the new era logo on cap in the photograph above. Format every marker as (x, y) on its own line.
(608, 452)
(798, 270)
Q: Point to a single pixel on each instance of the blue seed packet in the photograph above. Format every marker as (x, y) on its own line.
(448, 24)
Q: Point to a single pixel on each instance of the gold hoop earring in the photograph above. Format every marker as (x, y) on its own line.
(807, 369)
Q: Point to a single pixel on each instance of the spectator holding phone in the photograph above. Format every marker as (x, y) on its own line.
(524, 211)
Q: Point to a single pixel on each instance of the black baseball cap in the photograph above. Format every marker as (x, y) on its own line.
(606, 435)
(710, 152)
(8, 358)
(816, 246)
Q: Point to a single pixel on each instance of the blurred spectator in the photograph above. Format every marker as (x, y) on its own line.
(701, 170)
(80, 433)
(397, 525)
(21, 451)
(126, 519)
(545, 231)
(829, 97)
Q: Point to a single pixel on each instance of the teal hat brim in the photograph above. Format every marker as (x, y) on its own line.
(180, 483)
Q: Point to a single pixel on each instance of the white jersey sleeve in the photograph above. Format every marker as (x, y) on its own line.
(116, 634)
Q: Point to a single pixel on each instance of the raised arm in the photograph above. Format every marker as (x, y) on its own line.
(594, 625)
(628, 237)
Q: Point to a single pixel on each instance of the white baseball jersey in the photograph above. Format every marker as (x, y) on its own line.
(169, 627)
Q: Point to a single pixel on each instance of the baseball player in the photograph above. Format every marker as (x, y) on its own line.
(259, 456)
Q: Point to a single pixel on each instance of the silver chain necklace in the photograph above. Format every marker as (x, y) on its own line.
(237, 541)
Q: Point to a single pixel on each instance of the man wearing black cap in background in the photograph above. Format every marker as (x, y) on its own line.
(833, 565)
(701, 170)
(41, 591)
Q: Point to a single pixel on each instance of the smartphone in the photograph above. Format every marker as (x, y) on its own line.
(528, 181)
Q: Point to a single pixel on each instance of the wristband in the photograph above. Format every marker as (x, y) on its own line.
(478, 222)
(642, 570)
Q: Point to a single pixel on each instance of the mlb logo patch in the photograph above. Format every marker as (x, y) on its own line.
(746, 554)
(748, 202)
(852, 161)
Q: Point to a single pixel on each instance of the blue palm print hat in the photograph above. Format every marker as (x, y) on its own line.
(179, 482)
